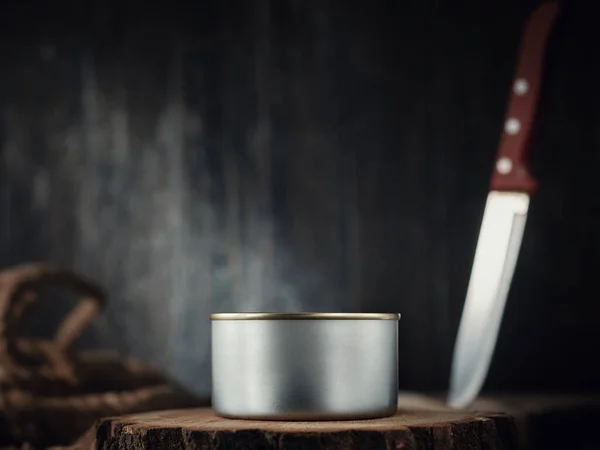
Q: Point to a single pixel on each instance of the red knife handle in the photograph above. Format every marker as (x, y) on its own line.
(511, 171)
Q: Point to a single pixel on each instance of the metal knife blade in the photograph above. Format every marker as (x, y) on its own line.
(493, 267)
(503, 221)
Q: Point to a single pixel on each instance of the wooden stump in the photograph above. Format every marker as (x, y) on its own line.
(409, 429)
(423, 422)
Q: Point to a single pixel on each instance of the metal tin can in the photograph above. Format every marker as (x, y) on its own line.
(304, 366)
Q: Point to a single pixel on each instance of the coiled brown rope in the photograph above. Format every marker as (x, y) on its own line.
(49, 394)
(25, 362)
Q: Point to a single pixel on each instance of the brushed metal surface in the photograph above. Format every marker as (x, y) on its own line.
(304, 369)
(493, 268)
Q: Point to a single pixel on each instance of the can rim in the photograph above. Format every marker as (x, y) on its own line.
(305, 316)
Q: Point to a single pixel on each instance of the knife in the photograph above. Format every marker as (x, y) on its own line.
(503, 221)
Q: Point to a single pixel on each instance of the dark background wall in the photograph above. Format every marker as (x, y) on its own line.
(198, 157)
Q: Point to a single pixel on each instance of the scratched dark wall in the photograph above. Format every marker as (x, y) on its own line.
(298, 155)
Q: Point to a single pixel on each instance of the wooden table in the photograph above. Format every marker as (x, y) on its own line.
(422, 423)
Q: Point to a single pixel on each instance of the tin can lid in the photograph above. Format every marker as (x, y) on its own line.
(304, 316)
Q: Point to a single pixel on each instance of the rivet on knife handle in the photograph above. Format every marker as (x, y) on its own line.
(511, 172)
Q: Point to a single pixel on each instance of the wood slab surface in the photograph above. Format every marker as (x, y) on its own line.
(408, 429)
(528, 422)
